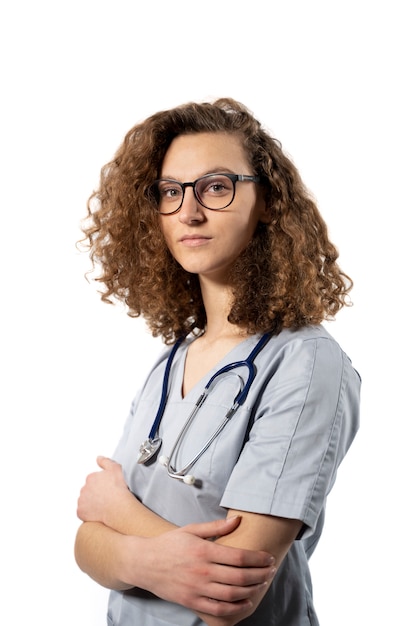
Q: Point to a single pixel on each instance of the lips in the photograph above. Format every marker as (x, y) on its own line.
(194, 240)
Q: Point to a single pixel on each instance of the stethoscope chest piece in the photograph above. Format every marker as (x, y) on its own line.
(148, 449)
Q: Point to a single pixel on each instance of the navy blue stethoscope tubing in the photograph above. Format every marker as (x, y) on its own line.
(164, 394)
(241, 396)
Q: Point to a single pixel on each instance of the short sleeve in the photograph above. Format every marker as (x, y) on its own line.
(305, 421)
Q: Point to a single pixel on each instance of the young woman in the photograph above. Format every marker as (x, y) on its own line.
(214, 500)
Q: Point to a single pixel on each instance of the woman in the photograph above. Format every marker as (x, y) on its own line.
(203, 226)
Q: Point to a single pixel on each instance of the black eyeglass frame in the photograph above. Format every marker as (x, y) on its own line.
(234, 178)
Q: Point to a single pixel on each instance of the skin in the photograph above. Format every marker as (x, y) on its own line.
(122, 543)
(206, 242)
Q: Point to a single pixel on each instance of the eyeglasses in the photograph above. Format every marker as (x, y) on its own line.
(213, 191)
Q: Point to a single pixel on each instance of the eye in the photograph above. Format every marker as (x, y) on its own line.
(168, 190)
(216, 185)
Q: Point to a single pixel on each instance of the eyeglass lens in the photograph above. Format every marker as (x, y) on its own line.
(213, 192)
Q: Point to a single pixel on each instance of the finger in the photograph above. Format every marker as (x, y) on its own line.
(233, 578)
(232, 593)
(216, 528)
(213, 607)
(104, 462)
(240, 557)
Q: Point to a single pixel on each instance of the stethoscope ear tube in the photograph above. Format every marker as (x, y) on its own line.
(164, 393)
(151, 445)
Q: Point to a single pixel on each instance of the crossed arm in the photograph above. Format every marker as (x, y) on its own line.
(122, 544)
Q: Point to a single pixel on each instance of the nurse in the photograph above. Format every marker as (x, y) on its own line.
(203, 226)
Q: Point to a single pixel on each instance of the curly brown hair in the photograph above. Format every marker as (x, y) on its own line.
(288, 276)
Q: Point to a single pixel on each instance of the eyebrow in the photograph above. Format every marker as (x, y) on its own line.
(213, 170)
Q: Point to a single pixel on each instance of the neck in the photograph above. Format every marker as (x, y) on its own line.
(217, 301)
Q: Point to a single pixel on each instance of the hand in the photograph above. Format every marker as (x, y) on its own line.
(103, 493)
(183, 567)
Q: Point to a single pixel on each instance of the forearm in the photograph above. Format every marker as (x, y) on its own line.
(131, 517)
(103, 554)
(122, 544)
(118, 561)
(255, 532)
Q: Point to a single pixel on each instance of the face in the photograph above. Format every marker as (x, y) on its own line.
(203, 241)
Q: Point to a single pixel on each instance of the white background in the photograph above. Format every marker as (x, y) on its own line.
(335, 82)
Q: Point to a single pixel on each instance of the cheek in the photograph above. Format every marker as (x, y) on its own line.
(163, 236)
(168, 239)
(245, 231)
(165, 230)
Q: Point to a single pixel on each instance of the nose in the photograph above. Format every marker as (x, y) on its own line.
(191, 210)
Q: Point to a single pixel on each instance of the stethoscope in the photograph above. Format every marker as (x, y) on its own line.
(152, 444)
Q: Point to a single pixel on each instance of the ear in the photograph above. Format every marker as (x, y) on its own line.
(264, 214)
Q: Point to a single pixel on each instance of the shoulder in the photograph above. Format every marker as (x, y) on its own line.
(303, 339)
(306, 333)
(310, 351)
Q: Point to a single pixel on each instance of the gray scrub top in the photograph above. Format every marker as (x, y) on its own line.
(278, 456)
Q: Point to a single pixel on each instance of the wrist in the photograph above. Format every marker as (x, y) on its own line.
(127, 565)
(122, 514)
(130, 567)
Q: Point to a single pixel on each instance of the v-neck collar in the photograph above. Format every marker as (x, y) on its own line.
(178, 368)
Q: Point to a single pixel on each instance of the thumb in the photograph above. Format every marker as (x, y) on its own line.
(104, 462)
(216, 528)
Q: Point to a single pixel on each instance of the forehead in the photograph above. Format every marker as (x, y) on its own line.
(202, 153)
